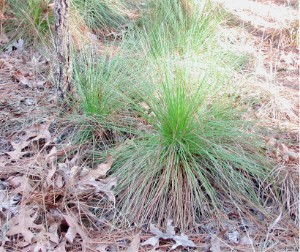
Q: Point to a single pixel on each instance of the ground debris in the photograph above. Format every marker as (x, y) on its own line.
(181, 240)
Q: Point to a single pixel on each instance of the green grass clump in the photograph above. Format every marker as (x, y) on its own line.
(100, 14)
(98, 79)
(189, 154)
(177, 26)
(31, 20)
(102, 97)
(197, 156)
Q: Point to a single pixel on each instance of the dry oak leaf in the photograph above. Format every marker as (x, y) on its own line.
(135, 244)
(38, 131)
(22, 184)
(101, 169)
(10, 203)
(23, 223)
(215, 244)
(19, 76)
(215, 241)
(83, 180)
(42, 243)
(103, 186)
(286, 153)
(3, 38)
(50, 174)
(246, 240)
(32, 133)
(281, 150)
(61, 246)
(169, 234)
(75, 228)
(102, 247)
(52, 156)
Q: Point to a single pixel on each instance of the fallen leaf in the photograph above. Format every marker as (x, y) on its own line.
(51, 157)
(17, 45)
(271, 142)
(75, 228)
(50, 174)
(11, 203)
(21, 184)
(271, 227)
(233, 236)
(53, 235)
(42, 242)
(38, 131)
(245, 240)
(157, 232)
(183, 241)
(51, 6)
(23, 223)
(61, 246)
(135, 244)
(31, 134)
(19, 76)
(101, 169)
(3, 39)
(59, 182)
(71, 233)
(73, 161)
(29, 101)
(102, 247)
(169, 234)
(92, 37)
(15, 154)
(215, 244)
(151, 241)
(170, 229)
(104, 186)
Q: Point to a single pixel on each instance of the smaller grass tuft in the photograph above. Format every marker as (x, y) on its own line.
(178, 26)
(99, 14)
(102, 101)
(98, 83)
(32, 20)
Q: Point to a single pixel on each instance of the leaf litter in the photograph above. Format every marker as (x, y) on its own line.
(43, 215)
(43, 191)
(170, 234)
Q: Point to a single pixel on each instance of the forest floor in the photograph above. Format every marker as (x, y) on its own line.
(30, 125)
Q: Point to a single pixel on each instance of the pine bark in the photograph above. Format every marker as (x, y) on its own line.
(63, 66)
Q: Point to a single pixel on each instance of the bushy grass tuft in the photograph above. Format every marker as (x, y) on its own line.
(190, 154)
(179, 25)
(98, 79)
(197, 155)
(31, 20)
(100, 14)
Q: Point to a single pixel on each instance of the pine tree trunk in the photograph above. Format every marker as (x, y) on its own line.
(63, 67)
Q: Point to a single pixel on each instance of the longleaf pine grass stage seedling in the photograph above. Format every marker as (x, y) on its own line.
(98, 80)
(178, 26)
(101, 101)
(32, 20)
(100, 14)
(197, 157)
